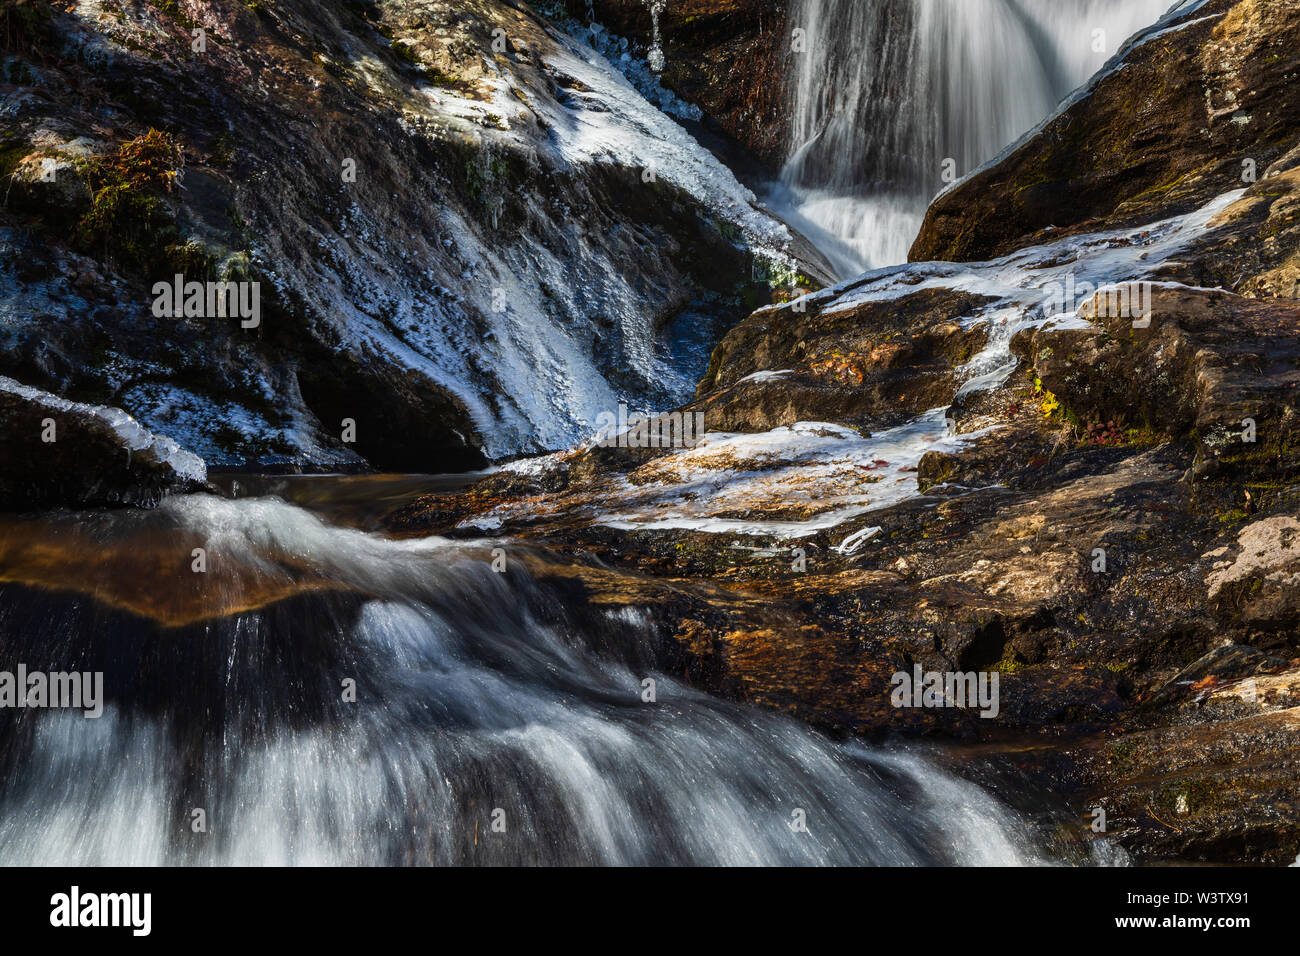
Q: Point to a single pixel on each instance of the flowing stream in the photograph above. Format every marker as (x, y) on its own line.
(491, 723)
(886, 91)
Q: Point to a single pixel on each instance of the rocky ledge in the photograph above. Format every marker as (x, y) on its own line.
(422, 192)
(61, 453)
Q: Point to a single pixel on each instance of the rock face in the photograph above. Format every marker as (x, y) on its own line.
(728, 57)
(1200, 105)
(1106, 515)
(66, 454)
(468, 243)
(1209, 364)
(864, 363)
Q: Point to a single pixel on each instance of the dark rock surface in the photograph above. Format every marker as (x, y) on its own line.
(498, 200)
(729, 57)
(66, 454)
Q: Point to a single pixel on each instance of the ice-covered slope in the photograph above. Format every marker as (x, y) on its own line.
(474, 235)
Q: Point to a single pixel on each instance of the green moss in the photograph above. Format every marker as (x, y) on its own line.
(189, 258)
(487, 178)
(128, 218)
(1121, 756)
(173, 10)
(715, 365)
(1009, 664)
(1158, 190)
(778, 275)
(1144, 437)
(1199, 796)
(404, 52)
(11, 156)
(222, 150)
(451, 81)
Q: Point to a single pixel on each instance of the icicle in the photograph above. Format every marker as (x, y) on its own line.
(656, 54)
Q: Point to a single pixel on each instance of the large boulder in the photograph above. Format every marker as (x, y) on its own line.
(867, 364)
(62, 453)
(1209, 365)
(471, 234)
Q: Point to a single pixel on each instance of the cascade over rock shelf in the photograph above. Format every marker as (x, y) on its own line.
(949, 464)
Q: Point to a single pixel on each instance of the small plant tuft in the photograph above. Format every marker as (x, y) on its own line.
(128, 217)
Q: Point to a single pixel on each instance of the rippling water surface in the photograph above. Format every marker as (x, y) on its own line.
(491, 724)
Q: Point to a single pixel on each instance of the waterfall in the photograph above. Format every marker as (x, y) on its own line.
(888, 96)
(490, 724)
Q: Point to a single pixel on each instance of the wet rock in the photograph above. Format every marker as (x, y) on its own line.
(872, 365)
(419, 208)
(1231, 661)
(729, 57)
(1102, 538)
(66, 454)
(1256, 579)
(1253, 251)
(1218, 783)
(1212, 364)
(48, 183)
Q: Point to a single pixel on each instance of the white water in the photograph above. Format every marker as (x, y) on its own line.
(475, 693)
(887, 90)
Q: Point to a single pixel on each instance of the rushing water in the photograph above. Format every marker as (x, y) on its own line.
(887, 90)
(479, 699)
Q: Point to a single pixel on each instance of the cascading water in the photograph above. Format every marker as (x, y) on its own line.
(885, 91)
(479, 701)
